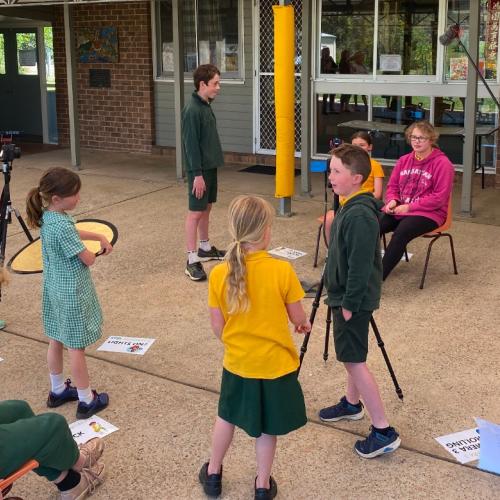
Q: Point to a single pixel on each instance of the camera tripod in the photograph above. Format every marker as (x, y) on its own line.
(375, 329)
(6, 210)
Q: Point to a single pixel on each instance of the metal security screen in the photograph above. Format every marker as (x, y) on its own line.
(266, 134)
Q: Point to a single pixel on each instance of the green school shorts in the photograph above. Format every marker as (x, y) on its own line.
(351, 337)
(262, 406)
(210, 195)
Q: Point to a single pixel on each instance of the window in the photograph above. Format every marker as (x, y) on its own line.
(407, 37)
(456, 60)
(347, 33)
(212, 34)
(48, 39)
(27, 59)
(2, 55)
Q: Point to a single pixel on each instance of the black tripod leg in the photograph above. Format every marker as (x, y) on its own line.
(380, 343)
(327, 332)
(315, 307)
(23, 225)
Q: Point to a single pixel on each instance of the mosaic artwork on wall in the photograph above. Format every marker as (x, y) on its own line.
(98, 45)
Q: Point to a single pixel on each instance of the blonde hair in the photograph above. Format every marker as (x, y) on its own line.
(249, 217)
(57, 181)
(426, 128)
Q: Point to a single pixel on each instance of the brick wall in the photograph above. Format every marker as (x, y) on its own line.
(120, 117)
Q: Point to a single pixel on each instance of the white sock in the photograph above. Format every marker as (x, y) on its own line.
(57, 383)
(205, 245)
(193, 257)
(85, 395)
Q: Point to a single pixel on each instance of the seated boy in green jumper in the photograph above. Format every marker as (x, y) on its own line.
(353, 278)
(46, 438)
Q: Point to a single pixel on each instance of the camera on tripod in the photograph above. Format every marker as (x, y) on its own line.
(9, 153)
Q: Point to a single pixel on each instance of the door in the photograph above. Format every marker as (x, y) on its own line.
(20, 97)
(265, 134)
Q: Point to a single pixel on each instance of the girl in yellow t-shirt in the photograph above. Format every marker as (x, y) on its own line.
(251, 298)
(374, 182)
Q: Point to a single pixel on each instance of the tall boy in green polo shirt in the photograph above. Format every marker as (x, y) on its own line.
(353, 279)
(203, 155)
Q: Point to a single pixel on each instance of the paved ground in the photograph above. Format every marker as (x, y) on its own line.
(442, 342)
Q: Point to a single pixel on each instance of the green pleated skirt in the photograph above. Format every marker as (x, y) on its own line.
(262, 406)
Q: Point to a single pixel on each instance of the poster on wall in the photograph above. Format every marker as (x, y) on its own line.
(390, 62)
(204, 51)
(459, 66)
(168, 57)
(98, 45)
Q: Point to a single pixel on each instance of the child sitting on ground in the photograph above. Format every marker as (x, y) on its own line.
(353, 279)
(251, 297)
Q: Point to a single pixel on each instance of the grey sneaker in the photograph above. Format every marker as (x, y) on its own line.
(195, 271)
(212, 254)
(91, 478)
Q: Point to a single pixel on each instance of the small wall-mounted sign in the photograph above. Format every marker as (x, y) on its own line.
(100, 78)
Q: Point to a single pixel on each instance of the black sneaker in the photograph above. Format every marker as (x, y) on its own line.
(99, 402)
(343, 410)
(195, 271)
(69, 394)
(212, 484)
(212, 254)
(266, 493)
(378, 444)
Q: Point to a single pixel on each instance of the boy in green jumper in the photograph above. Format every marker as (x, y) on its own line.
(353, 278)
(202, 152)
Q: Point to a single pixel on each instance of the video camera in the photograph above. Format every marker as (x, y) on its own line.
(9, 153)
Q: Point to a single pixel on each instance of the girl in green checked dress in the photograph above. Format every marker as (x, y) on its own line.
(71, 312)
(251, 297)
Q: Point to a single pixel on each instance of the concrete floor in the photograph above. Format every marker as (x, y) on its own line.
(442, 342)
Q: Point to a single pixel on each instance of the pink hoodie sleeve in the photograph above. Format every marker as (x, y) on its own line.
(443, 173)
(392, 189)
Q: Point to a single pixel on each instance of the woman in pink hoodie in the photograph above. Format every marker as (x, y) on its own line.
(417, 195)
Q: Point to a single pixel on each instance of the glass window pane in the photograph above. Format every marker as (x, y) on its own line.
(2, 55)
(218, 41)
(333, 114)
(407, 37)
(211, 35)
(396, 113)
(27, 59)
(456, 59)
(189, 25)
(165, 43)
(49, 55)
(347, 33)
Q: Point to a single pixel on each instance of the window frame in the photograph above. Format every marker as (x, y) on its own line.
(239, 76)
(373, 84)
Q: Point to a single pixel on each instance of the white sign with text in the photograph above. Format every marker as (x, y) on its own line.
(464, 445)
(127, 345)
(287, 253)
(90, 428)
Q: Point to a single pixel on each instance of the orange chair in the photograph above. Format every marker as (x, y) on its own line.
(6, 484)
(434, 236)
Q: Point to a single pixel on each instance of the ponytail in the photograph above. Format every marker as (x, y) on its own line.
(237, 298)
(249, 216)
(34, 208)
(56, 181)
